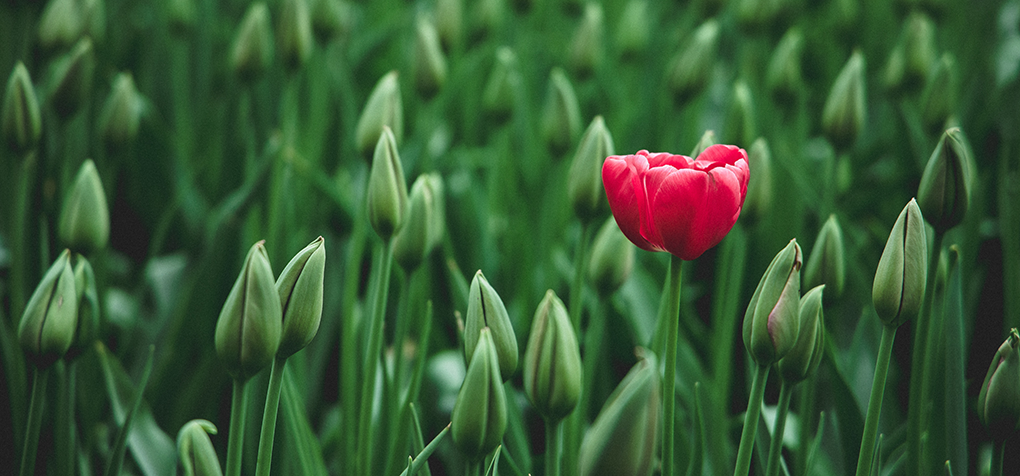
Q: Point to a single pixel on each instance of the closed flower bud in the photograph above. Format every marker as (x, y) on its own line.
(902, 270)
(383, 109)
(938, 100)
(180, 16)
(486, 309)
(621, 440)
(330, 19)
(944, 193)
(253, 45)
(425, 223)
(122, 112)
(479, 418)
(740, 125)
(561, 116)
(759, 14)
(300, 289)
(450, 22)
(21, 122)
(843, 115)
(294, 34)
(88, 311)
(504, 85)
(783, 77)
(826, 264)
(429, 60)
(195, 450)
(999, 399)
(51, 316)
(552, 361)
(72, 78)
(486, 17)
(586, 49)
(806, 354)
(689, 71)
(249, 326)
(913, 55)
(387, 191)
(772, 320)
(85, 219)
(584, 182)
(707, 140)
(61, 24)
(612, 258)
(759, 184)
(632, 34)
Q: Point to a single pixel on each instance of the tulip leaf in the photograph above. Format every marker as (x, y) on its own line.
(493, 469)
(117, 455)
(302, 453)
(955, 361)
(697, 448)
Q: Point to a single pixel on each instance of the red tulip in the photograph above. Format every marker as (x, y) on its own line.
(666, 202)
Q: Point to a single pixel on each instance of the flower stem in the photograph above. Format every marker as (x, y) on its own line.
(235, 441)
(776, 450)
(34, 421)
(268, 435)
(998, 453)
(751, 421)
(672, 315)
(553, 446)
(366, 438)
(919, 368)
(349, 357)
(572, 433)
(875, 403)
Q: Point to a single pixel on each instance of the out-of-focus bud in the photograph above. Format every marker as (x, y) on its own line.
(61, 24)
(902, 269)
(759, 186)
(913, 55)
(772, 320)
(612, 259)
(330, 19)
(300, 289)
(450, 22)
(826, 264)
(584, 182)
(294, 34)
(383, 109)
(944, 193)
(759, 14)
(621, 440)
(552, 361)
(425, 224)
(486, 309)
(21, 122)
(843, 116)
(487, 17)
(72, 80)
(195, 450)
(504, 85)
(51, 315)
(561, 116)
(689, 70)
(586, 49)
(180, 16)
(783, 77)
(740, 125)
(249, 326)
(806, 354)
(999, 399)
(479, 416)
(387, 190)
(85, 219)
(707, 140)
(253, 45)
(938, 100)
(122, 112)
(632, 34)
(88, 307)
(429, 60)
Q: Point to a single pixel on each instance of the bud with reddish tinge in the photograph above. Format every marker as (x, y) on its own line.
(772, 320)
(802, 360)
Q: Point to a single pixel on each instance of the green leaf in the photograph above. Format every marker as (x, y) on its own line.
(299, 446)
(955, 362)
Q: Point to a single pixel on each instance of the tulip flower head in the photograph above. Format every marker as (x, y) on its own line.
(666, 202)
(999, 400)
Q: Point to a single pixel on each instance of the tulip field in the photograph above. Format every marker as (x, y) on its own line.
(510, 237)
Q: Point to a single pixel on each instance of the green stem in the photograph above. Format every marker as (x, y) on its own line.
(265, 458)
(919, 368)
(35, 410)
(867, 452)
(64, 438)
(372, 356)
(998, 454)
(349, 341)
(806, 409)
(672, 317)
(776, 450)
(572, 427)
(751, 421)
(235, 441)
(553, 446)
(427, 451)
(395, 407)
(577, 286)
(19, 269)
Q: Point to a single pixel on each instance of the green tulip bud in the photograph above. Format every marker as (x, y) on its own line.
(330, 19)
(122, 112)
(740, 125)
(806, 354)
(294, 34)
(584, 182)
(486, 309)
(902, 270)
(690, 69)
(999, 399)
(783, 77)
(612, 259)
(85, 219)
(552, 361)
(387, 191)
(195, 450)
(429, 60)
(487, 17)
(843, 115)
(21, 121)
(632, 34)
(707, 140)
(913, 55)
(253, 46)
(938, 100)
(772, 320)
(72, 79)
(561, 116)
(758, 14)
(383, 109)
(479, 419)
(425, 224)
(88, 310)
(621, 440)
(300, 289)
(759, 186)
(826, 264)
(504, 85)
(180, 16)
(586, 48)
(450, 22)
(944, 193)
(51, 316)
(249, 326)
(61, 24)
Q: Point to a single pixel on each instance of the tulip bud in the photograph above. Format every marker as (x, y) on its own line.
(913, 55)
(85, 219)
(999, 399)
(249, 326)
(740, 121)
(180, 16)
(253, 45)
(552, 361)
(938, 101)
(707, 140)
(72, 80)
(584, 182)
(772, 320)
(450, 22)
(486, 309)
(329, 19)
(826, 264)
(479, 416)
(425, 223)
(487, 17)
(21, 121)
(783, 77)
(612, 259)
(429, 60)
(902, 270)
(759, 14)
(195, 450)
(806, 354)
(843, 116)
(759, 184)
(586, 47)
(51, 316)
(504, 85)
(632, 34)
(944, 193)
(689, 71)
(294, 34)
(561, 117)
(61, 24)
(122, 112)
(387, 191)
(88, 311)
(383, 109)
(300, 289)
(621, 440)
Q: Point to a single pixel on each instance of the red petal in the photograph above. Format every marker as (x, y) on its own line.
(621, 176)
